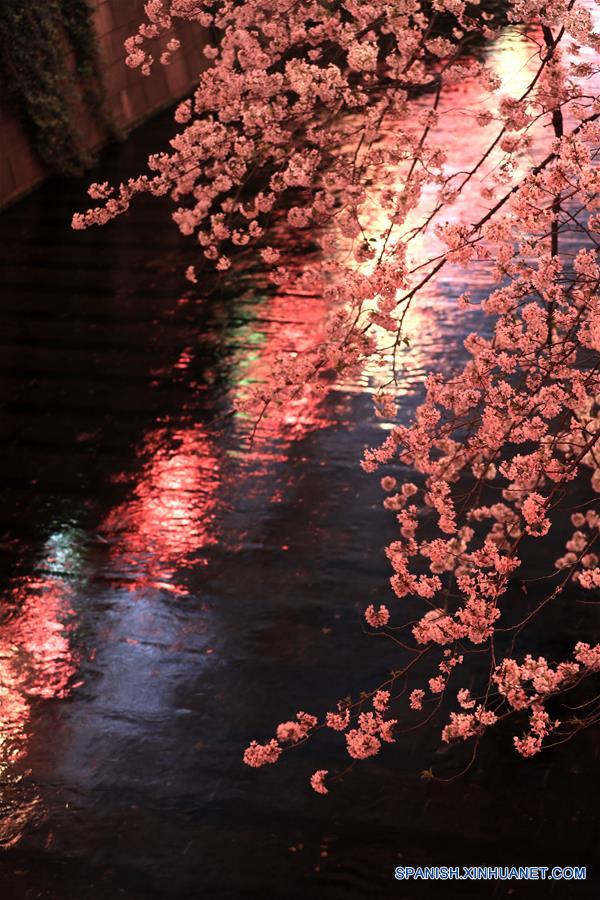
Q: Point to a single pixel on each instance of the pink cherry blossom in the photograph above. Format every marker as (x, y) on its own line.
(360, 744)
(377, 618)
(416, 698)
(256, 755)
(324, 118)
(317, 781)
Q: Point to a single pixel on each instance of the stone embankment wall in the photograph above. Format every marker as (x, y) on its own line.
(131, 97)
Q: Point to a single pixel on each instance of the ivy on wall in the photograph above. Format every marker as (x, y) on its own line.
(49, 71)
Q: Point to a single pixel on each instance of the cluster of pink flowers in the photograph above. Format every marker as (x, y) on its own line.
(257, 755)
(416, 698)
(465, 725)
(377, 618)
(308, 94)
(338, 721)
(317, 781)
(521, 685)
(579, 559)
(297, 730)
(525, 686)
(587, 656)
(365, 740)
(540, 726)
(534, 513)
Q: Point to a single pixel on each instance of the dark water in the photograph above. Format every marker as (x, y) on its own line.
(169, 594)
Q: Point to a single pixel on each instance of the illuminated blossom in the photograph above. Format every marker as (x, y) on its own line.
(361, 744)
(259, 754)
(416, 698)
(323, 118)
(317, 781)
(377, 618)
(338, 721)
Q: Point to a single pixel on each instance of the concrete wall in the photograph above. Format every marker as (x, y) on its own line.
(131, 97)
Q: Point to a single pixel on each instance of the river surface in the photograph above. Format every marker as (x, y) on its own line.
(170, 593)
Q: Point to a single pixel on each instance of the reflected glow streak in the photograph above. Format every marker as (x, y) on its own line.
(171, 513)
(36, 660)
